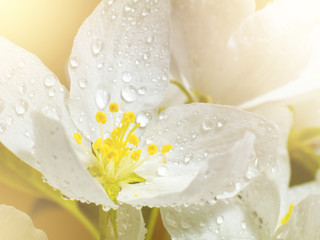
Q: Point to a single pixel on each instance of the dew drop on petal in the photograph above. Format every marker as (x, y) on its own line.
(143, 118)
(185, 224)
(126, 77)
(142, 90)
(243, 225)
(83, 83)
(220, 220)
(21, 106)
(74, 62)
(206, 125)
(162, 171)
(96, 46)
(102, 98)
(188, 157)
(52, 92)
(2, 128)
(50, 81)
(129, 93)
(22, 88)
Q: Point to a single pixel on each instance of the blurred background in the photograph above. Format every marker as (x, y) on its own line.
(47, 29)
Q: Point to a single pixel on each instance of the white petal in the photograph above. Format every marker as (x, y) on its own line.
(130, 224)
(279, 113)
(252, 214)
(60, 165)
(212, 144)
(16, 225)
(121, 54)
(26, 85)
(200, 30)
(304, 222)
(268, 50)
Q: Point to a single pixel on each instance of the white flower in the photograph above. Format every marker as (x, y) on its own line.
(261, 211)
(16, 225)
(236, 55)
(121, 55)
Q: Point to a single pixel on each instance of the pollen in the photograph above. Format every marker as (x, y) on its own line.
(152, 149)
(114, 107)
(166, 148)
(133, 139)
(78, 137)
(288, 215)
(116, 155)
(136, 155)
(101, 117)
(97, 144)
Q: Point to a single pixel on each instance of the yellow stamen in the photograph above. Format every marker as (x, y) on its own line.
(113, 107)
(166, 148)
(288, 215)
(136, 155)
(152, 149)
(101, 117)
(133, 139)
(129, 116)
(136, 195)
(78, 137)
(97, 144)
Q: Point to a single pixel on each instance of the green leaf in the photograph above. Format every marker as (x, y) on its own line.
(19, 175)
(133, 178)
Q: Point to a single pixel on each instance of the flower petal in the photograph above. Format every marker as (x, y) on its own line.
(304, 222)
(121, 54)
(130, 224)
(268, 50)
(212, 144)
(200, 30)
(16, 225)
(252, 214)
(61, 166)
(26, 85)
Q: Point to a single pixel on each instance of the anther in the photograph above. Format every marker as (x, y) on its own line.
(152, 149)
(78, 137)
(166, 148)
(101, 117)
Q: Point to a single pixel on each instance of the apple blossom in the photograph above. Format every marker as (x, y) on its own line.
(101, 143)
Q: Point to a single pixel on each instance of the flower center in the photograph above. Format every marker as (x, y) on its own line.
(115, 157)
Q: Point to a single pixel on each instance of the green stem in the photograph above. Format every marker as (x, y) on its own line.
(152, 222)
(103, 224)
(184, 90)
(105, 230)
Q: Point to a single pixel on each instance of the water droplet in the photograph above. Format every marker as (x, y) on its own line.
(83, 83)
(220, 124)
(21, 88)
(2, 128)
(27, 134)
(2, 105)
(126, 77)
(21, 107)
(96, 46)
(142, 90)
(150, 39)
(185, 224)
(206, 125)
(129, 93)
(220, 220)
(50, 81)
(100, 65)
(32, 94)
(52, 92)
(102, 98)
(9, 120)
(243, 225)
(74, 62)
(163, 171)
(188, 157)
(143, 118)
